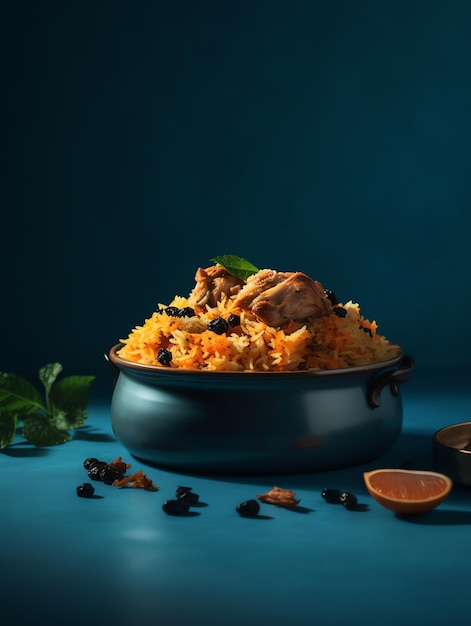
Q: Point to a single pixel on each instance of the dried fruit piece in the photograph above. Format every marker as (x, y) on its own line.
(85, 490)
(349, 501)
(249, 508)
(109, 474)
(186, 493)
(172, 311)
(218, 326)
(95, 470)
(186, 311)
(176, 507)
(280, 497)
(233, 320)
(164, 356)
(331, 296)
(332, 495)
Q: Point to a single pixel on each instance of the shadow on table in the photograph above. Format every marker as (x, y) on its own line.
(439, 517)
(88, 433)
(24, 450)
(410, 451)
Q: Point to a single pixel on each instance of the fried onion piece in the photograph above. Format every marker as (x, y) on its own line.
(280, 497)
(138, 480)
(120, 464)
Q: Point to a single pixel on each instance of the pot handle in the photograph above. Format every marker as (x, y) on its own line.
(114, 367)
(391, 377)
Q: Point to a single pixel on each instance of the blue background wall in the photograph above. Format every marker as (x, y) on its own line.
(140, 139)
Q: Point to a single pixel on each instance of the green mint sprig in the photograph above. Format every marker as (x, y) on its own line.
(45, 421)
(237, 266)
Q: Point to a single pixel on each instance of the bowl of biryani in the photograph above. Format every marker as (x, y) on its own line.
(261, 372)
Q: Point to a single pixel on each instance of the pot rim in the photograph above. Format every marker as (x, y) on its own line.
(121, 363)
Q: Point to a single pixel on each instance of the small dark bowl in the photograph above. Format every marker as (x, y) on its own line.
(452, 452)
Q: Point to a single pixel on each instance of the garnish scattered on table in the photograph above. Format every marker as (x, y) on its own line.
(335, 496)
(46, 421)
(249, 508)
(137, 480)
(184, 499)
(280, 497)
(114, 473)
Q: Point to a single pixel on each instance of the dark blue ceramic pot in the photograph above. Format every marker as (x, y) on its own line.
(257, 422)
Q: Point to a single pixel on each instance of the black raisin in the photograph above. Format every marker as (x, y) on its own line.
(218, 326)
(176, 507)
(233, 320)
(164, 356)
(89, 462)
(249, 508)
(366, 330)
(95, 469)
(340, 311)
(85, 490)
(349, 501)
(332, 495)
(186, 311)
(331, 296)
(186, 493)
(172, 311)
(109, 474)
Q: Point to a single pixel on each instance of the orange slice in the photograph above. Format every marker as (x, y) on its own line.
(407, 491)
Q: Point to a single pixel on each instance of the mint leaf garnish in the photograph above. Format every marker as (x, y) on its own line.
(48, 375)
(40, 431)
(8, 423)
(237, 266)
(71, 393)
(46, 422)
(74, 418)
(18, 395)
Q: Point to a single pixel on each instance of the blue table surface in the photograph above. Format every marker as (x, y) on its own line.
(118, 558)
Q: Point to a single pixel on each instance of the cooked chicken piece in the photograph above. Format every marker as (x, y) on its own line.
(257, 284)
(278, 297)
(211, 284)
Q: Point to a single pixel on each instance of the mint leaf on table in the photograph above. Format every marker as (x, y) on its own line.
(74, 418)
(8, 422)
(46, 422)
(48, 375)
(18, 396)
(68, 400)
(237, 266)
(40, 431)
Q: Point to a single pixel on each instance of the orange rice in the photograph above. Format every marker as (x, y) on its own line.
(329, 342)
